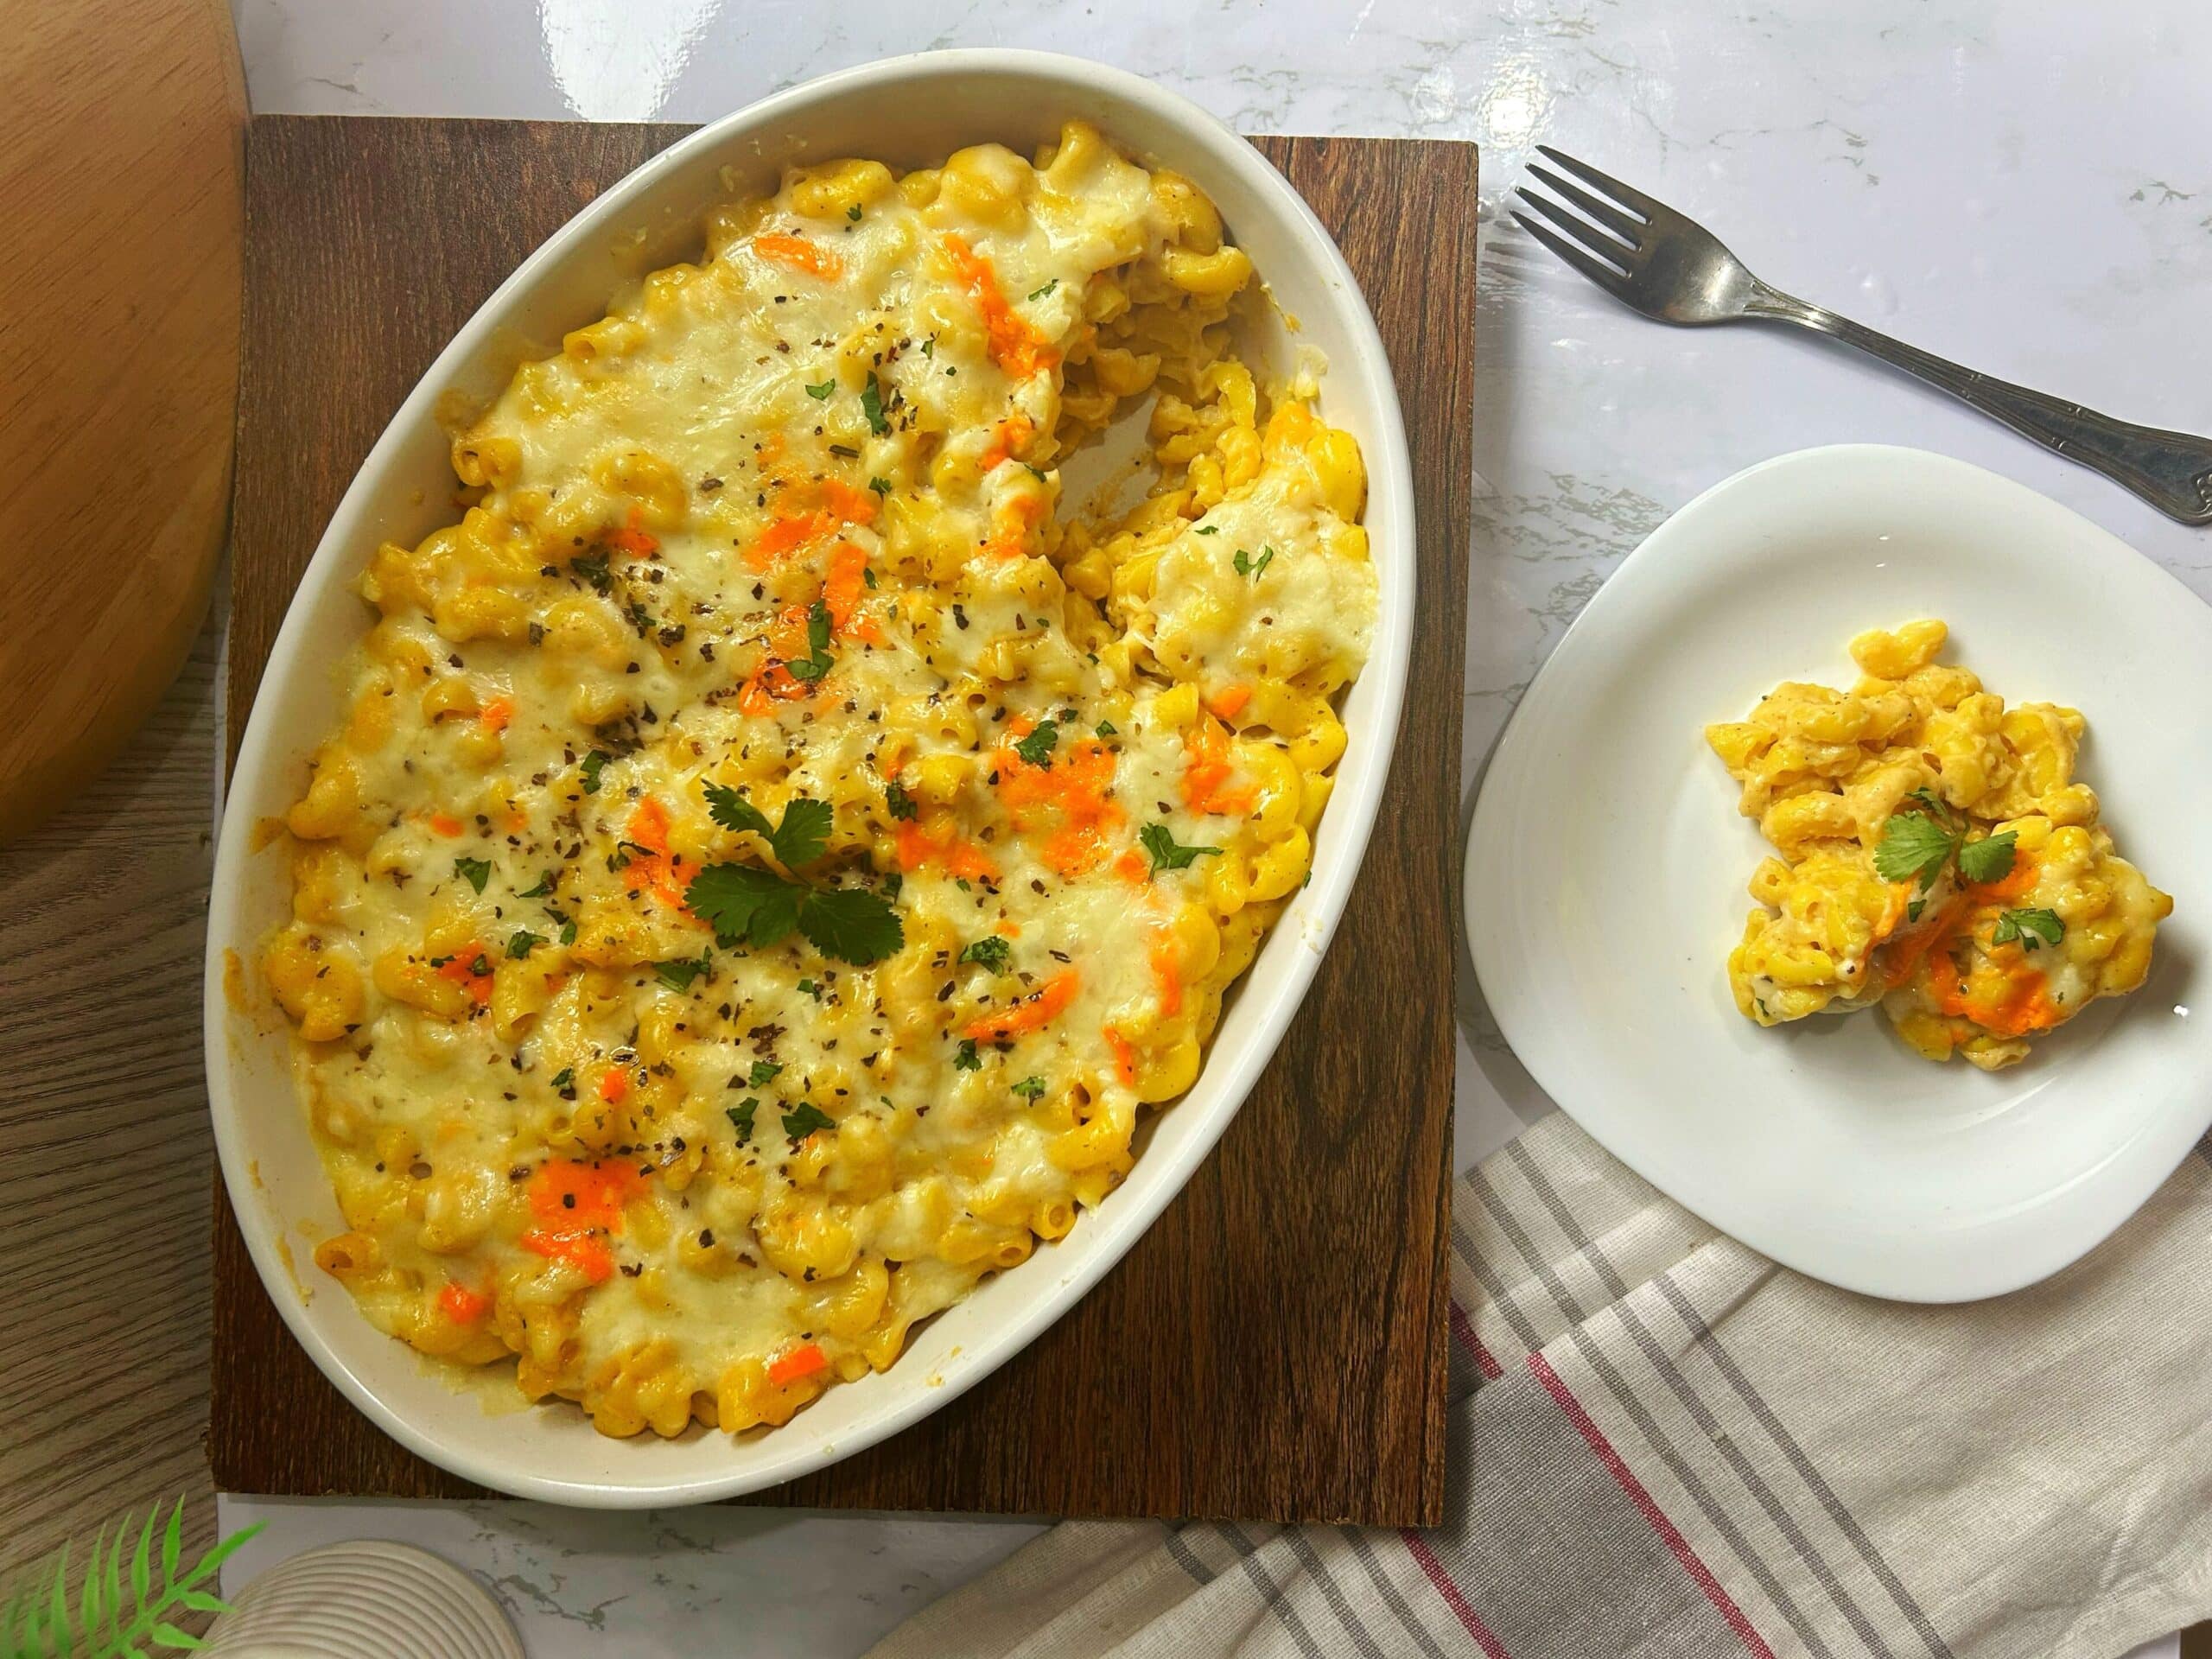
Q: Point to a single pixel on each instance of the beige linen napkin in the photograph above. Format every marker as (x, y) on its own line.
(1666, 1446)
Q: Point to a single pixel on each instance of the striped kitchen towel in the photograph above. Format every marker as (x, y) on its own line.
(1665, 1446)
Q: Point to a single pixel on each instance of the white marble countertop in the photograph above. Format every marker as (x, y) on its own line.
(2025, 189)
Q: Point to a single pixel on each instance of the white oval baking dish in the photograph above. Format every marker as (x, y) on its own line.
(909, 111)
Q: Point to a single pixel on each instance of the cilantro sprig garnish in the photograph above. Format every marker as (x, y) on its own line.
(1037, 747)
(804, 1119)
(2032, 929)
(475, 871)
(1168, 854)
(798, 839)
(748, 905)
(899, 803)
(1915, 846)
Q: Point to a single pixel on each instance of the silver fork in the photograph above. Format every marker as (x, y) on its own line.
(1652, 259)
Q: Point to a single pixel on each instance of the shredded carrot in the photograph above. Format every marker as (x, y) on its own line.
(1018, 517)
(445, 823)
(768, 684)
(461, 968)
(574, 1194)
(614, 1084)
(1230, 701)
(462, 1305)
(585, 1254)
(498, 715)
(1125, 1056)
(1008, 439)
(649, 824)
(1206, 772)
(786, 536)
(1131, 865)
(918, 846)
(795, 1364)
(1040, 1008)
(633, 537)
(797, 253)
(844, 590)
(1168, 968)
(1016, 345)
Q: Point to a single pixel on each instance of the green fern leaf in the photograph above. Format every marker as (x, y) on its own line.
(222, 1551)
(172, 1542)
(60, 1638)
(171, 1638)
(142, 1562)
(201, 1602)
(117, 1607)
(92, 1596)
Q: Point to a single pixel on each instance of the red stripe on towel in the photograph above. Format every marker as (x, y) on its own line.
(1485, 1361)
(1642, 1500)
(1421, 1552)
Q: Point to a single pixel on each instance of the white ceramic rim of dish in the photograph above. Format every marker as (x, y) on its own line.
(1358, 380)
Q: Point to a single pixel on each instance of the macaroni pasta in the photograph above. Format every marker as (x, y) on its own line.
(773, 850)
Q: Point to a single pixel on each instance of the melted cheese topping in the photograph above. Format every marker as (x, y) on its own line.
(616, 1068)
(1961, 965)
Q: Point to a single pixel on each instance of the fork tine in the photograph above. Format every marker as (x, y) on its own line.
(1581, 229)
(1628, 228)
(1596, 269)
(1612, 187)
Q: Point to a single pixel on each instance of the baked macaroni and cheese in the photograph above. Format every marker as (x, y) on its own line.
(777, 848)
(1936, 857)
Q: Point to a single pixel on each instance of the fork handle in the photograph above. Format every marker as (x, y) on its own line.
(2170, 470)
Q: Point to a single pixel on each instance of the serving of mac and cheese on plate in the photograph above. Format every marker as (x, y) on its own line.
(777, 841)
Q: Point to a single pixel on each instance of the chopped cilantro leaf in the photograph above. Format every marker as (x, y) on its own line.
(1246, 565)
(804, 1119)
(1913, 844)
(475, 871)
(744, 905)
(678, 975)
(564, 1082)
(544, 887)
(732, 811)
(808, 987)
(522, 943)
(740, 1116)
(881, 486)
(1040, 292)
(824, 390)
(1037, 747)
(992, 953)
(567, 932)
(1209, 529)
(1030, 1088)
(872, 406)
(929, 346)
(853, 213)
(966, 1059)
(1989, 859)
(899, 803)
(1105, 728)
(2033, 928)
(803, 833)
(591, 765)
(817, 643)
(764, 1072)
(592, 567)
(1167, 854)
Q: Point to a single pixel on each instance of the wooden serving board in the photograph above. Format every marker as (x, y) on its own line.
(1275, 1349)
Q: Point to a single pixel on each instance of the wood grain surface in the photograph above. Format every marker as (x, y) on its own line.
(120, 228)
(1275, 1347)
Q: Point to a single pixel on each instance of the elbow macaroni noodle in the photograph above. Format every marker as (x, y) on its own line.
(787, 522)
(1977, 968)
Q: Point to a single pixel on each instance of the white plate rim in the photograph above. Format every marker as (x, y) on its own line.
(2010, 1257)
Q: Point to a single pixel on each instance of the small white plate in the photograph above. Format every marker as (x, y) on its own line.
(1606, 872)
